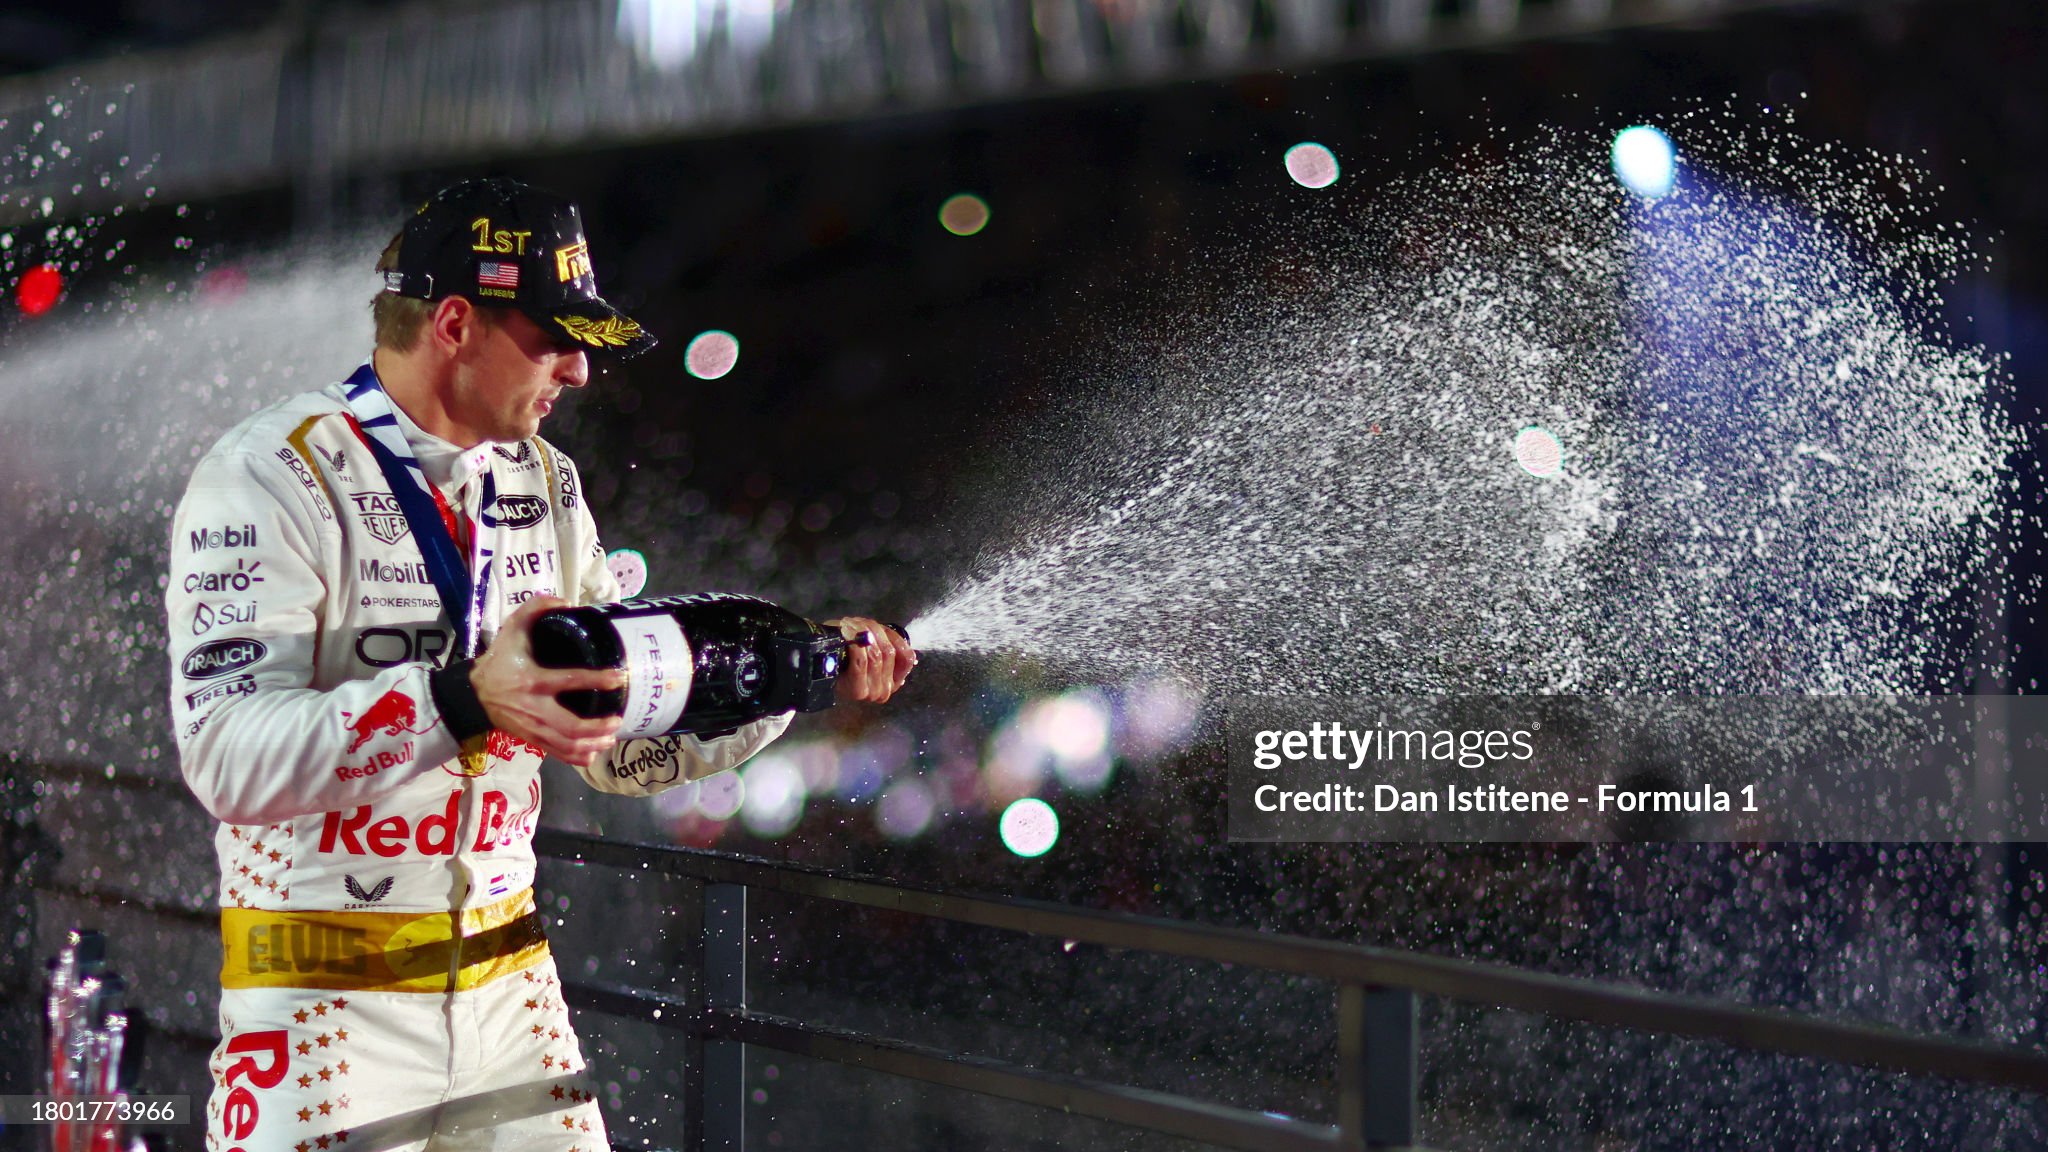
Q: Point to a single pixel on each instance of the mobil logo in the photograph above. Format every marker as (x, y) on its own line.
(204, 539)
(363, 832)
(514, 511)
(393, 714)
(380, 515)
(220, 657)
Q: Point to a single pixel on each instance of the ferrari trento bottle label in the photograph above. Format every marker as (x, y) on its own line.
(659, 667)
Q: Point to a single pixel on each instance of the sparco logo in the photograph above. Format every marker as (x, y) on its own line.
(220, 657)
(518, 511)
(240, 580)
(305, 475)
(381, 515)
(569, 483)
(412, 572)
(205, 538)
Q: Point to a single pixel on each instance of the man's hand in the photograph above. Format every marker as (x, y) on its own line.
(519, 695)
(876, 671)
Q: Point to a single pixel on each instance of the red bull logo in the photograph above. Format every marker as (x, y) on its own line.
(362, 832)
(393, 714)
(265, 1059)
(377, 762)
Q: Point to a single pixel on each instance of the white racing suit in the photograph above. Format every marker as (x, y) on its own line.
(385, 979)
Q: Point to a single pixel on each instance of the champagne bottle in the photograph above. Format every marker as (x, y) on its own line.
(695, 664)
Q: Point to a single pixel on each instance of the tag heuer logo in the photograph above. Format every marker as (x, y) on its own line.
(380, 515)
(521, 511)
(371, 896)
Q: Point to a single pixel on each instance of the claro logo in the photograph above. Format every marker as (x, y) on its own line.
(220, 657)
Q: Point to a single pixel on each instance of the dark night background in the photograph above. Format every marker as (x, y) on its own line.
(891, 373)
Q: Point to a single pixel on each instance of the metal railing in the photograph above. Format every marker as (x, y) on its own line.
(1376, 1010)
(344, 90)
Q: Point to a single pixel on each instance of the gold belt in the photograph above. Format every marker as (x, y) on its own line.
(380, 951)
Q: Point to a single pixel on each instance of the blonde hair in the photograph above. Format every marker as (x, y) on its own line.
(399, 319)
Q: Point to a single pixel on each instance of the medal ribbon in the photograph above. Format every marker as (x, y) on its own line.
(427, 513)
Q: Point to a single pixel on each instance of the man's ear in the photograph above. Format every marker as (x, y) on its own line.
(453, 321)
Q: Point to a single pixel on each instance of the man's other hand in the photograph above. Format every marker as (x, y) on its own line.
(875, 671)
(519, 694)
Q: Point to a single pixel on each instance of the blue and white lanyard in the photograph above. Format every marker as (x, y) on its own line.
(462, 594)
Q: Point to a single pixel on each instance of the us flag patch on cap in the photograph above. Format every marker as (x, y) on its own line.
(494, 275)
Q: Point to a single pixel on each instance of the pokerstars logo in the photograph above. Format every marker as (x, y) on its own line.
(380, 516)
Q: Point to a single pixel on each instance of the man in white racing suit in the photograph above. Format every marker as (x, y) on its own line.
(354, 573)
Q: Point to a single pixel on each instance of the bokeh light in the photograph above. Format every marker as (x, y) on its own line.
(905, 810)
(1645, 162)
(629, 567)
(38, 289)
(1538, 451)
(1159, 717)
(1029, 827)
(964, 215)
(721, 795)
(1312, 165)
(711, 354)
(774, 795)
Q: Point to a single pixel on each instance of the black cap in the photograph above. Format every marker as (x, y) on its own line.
(500, 242)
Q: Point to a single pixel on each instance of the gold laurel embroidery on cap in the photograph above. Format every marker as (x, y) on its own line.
(610, 332)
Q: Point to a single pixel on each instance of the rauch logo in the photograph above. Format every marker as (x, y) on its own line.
(220, 657)
(520, 511)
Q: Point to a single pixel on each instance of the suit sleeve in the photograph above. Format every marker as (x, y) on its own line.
(644, 767)
(251, 548)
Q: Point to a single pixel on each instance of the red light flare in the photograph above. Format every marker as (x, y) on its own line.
(38, 289)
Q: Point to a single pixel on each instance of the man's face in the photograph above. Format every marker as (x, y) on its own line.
(508, 377)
